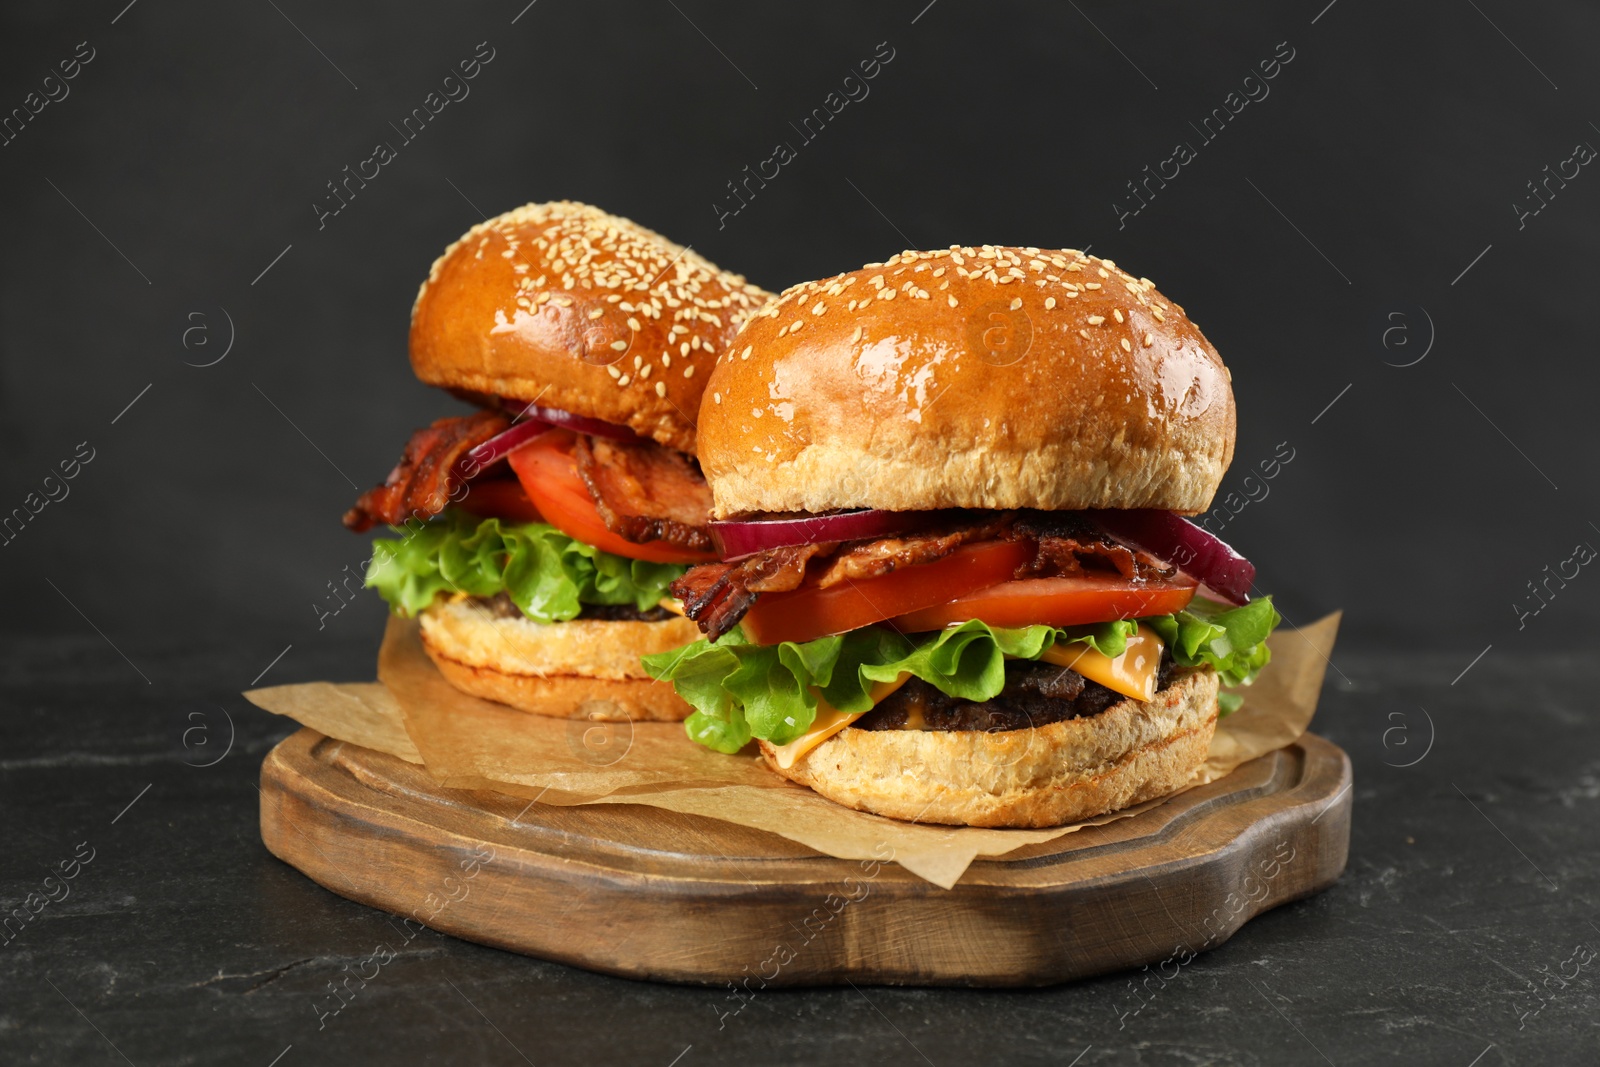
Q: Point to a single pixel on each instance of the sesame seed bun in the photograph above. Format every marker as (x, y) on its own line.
(992, 377)
(580, 669)
(563, 304)
(1042, 776)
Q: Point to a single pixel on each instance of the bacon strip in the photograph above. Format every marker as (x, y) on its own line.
(645, 492)
(872, 559)
(716, 595)
(421, 483)
(1068, 542)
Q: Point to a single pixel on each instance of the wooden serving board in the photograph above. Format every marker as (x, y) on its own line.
(649, 893)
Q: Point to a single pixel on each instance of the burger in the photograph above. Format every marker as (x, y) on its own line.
(957, 584)
(535, 539)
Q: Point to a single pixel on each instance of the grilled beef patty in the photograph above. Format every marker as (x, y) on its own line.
(1036, 694)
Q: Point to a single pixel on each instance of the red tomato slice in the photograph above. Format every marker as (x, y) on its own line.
(1055, 602)
(549, 473)
(500, 498)
(811, 612)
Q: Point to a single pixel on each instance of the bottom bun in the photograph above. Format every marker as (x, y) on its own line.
(582, 669)
(1044, 776)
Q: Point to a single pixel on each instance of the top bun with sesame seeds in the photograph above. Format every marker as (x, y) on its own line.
(992, 377)
(566, 305)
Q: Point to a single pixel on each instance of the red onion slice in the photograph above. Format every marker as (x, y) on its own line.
(567, 420)
(1175, 540)
(496, 448)
(736, 539)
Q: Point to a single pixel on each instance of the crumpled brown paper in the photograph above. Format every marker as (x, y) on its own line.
(468, 743)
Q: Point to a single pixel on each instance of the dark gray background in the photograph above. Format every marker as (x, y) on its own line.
(195, 547)
(1395, 142)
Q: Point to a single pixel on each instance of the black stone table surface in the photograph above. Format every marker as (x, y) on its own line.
(1463, 933)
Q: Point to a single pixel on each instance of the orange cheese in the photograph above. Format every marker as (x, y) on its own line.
(1133, 674)
(829, 721)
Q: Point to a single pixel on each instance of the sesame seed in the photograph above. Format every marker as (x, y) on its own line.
(855, 337)
(1118, 313)
(1149, 340)
(1049, 302)
(716, 398)
(1085, 335)
(1157, 313)
(1126, 347)
(952, 301)
(1091, 285)
(688, 372)
(819, 308)
(619, 346)
(623, 380)
(661, 389)
(746, 353)
(1072, 294)
(666, 359)
(755, 413)
(633, 324)
(1095, 320)
(645, 373)
(1016, 303)
(613, 371)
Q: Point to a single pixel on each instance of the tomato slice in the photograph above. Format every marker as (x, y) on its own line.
(811, 612)
(1055, 602)
(549, 473)
(500, 498)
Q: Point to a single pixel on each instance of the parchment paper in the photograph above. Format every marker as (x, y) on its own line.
(469, 743)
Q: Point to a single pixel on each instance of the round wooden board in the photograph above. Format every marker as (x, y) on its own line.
(649, 893)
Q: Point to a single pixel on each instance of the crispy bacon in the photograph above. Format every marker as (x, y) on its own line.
(421, 483)
(872, 559)
(645, 492)
(1067, 542)
(716, 595)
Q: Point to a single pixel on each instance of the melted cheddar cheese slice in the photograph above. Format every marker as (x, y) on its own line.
(829, 721)
(1133, 674)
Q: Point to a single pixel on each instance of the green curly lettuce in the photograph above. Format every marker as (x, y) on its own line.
(741, 690)
(547, 574)
(1230, 640)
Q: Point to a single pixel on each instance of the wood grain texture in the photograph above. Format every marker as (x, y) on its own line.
(647, 893)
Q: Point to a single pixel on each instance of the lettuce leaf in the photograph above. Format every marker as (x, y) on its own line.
(1209, 634)
(546, 573)
(740, 690)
